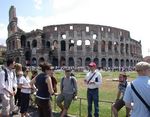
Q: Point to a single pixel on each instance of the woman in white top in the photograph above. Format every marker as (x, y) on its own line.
(24, 84)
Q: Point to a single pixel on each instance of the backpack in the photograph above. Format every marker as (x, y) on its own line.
(73, 84)
(6, 75)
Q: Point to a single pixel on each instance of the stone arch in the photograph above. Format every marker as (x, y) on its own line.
(121, 48)
(131, 63)
(122, 63)
(71, 61)
(103, 62)
(96, 60)
(116, 47)
(79, 45)
(87, 61)
(103, 46)
(55, 61)
(110, 64)
(127, 49)
(23, 41)
(63, 45)
(127, 63)
(55, 45)
(27, 55)
(109, 46)
(79, 62)
(28, 44)
(116, 63)
(62, 61)
(34, 43)
(95, 46)
(71, 45)
(48, 44)
(87, 45)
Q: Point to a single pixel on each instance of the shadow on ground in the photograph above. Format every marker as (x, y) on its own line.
(33, 113)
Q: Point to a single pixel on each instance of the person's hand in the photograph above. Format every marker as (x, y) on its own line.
(76, 97)
(91, 82)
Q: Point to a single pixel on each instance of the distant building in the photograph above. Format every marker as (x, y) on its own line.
(74, 45)
(2, 53)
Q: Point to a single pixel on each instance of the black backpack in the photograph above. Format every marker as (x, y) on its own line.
(6, 75)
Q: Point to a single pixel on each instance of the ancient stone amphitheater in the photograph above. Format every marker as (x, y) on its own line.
(73, 45)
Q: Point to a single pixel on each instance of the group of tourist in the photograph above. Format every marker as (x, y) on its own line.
(16, 87)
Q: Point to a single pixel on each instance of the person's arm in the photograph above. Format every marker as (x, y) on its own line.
(75, 86)
(49, 84)
(3, 84)
(15, 82)
(128, 99)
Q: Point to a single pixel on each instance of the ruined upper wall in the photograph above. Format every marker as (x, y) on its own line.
(82, 27)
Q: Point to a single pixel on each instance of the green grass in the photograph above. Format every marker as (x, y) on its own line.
(107, 91)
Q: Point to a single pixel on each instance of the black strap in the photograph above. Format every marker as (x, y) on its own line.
(6, 75)
(91, 78)
(140, 97)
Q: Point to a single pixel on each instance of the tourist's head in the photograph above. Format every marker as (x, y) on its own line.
(143, 68)
(67, 72)
(92, 66)
(10, 63)
(47, 67)
(122, 77)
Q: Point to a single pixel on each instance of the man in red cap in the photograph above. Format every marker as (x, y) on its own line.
(93, 81)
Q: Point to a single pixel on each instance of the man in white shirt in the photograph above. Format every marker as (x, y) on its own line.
(93, 81)
(8, 87)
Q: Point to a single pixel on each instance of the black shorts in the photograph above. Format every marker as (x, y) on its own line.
(119, 104)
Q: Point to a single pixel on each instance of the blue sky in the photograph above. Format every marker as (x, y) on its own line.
(131, 15)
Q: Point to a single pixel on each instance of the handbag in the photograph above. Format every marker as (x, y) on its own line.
(140, 97)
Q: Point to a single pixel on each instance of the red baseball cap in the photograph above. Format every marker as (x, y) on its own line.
(92, 64)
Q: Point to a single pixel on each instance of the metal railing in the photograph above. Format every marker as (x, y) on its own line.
(80, 103)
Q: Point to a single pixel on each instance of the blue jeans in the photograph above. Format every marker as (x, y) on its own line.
(92, 95)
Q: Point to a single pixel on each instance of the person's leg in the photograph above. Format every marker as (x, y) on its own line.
(89, 98)
(67, 102)
(114, 111)
(47, 109)
(96, 99)
(59, 101)
(40, 109)
(5, 106)
(117, 106)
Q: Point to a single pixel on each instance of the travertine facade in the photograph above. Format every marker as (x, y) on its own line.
(72, 45)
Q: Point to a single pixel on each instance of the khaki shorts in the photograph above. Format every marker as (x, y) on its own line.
(7, 104)
(67, 98)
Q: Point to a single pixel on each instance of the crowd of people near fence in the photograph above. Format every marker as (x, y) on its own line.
(21, 85)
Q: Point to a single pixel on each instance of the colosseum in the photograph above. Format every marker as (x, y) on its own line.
(73, 45)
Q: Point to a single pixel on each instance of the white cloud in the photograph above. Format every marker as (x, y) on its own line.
(38, 4)
(3, 33)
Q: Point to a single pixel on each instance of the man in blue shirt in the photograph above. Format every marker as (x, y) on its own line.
(142, 85)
